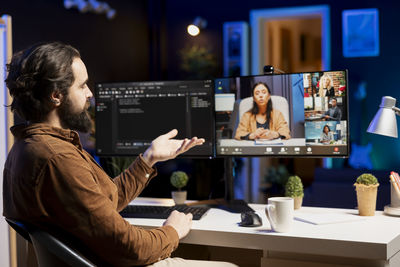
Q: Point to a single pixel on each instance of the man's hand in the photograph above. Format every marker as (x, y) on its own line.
(181, 222)
(164, 147)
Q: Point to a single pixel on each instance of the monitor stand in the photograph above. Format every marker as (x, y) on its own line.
(228, 203)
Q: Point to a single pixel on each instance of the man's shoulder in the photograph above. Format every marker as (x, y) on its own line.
(29, 156)
(43, 146)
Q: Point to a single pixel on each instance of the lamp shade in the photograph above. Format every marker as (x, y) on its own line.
(384, 122)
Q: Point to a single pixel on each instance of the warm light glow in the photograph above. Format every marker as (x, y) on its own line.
(193, 30)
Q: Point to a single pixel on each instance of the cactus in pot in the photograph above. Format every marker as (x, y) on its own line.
(294, 189)
(367, 189)
(179, 179)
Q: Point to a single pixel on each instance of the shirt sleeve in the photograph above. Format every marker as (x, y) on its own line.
(280, 125)
(339, 115)
(244, 127)
(74, 199)
(132, 181)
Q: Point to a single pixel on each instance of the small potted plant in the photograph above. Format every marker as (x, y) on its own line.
(367, 189)
(179, 179)
(294, 189)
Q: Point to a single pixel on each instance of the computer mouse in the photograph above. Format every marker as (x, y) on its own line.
(250, 219)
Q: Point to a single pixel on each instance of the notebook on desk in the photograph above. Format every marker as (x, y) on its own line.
(327, 218)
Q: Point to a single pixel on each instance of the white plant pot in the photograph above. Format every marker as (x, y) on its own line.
(179, 197)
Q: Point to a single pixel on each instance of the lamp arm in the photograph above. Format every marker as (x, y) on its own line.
(396, 110)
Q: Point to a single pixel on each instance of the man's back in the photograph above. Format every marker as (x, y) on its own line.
(24, 166)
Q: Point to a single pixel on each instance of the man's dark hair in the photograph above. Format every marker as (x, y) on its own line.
(255, 109)
(37, 72)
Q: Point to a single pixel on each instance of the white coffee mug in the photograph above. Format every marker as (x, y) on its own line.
(279, 212)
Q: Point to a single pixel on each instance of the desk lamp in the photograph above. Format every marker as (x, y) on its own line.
(384, 123)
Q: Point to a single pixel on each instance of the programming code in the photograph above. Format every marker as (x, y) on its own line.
(130, 115)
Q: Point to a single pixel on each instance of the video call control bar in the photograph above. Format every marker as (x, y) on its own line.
(331, 150)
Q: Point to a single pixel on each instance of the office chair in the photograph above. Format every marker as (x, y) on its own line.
(50, 251)
(241, 106)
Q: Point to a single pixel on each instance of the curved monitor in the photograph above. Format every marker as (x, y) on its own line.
(283, 115)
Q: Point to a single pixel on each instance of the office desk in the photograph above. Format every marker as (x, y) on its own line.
(370, 241)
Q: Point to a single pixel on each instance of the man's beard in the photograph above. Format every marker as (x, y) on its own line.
(75, 121)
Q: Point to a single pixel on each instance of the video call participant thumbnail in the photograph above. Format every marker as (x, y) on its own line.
(333, 113)
(262, 121)
(326, 135)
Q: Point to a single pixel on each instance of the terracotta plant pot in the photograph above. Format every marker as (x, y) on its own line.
(297, 202)
(179, 197)
(366, 199)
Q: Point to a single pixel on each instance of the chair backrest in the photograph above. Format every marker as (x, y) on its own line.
(50, 251)
(20, 228)
(278, 102)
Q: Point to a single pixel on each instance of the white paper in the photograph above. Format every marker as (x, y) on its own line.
(327, 218)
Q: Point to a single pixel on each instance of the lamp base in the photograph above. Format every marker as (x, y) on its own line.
(394, 211)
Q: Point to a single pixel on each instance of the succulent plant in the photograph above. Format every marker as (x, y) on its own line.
(367, 179)
(179, 179)
(294, 187)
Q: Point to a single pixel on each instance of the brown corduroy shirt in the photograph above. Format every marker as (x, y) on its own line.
(50, 180)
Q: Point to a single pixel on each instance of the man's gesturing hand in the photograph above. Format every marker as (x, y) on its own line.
(181, 222)
(164, 147)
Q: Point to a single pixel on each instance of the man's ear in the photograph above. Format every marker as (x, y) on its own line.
(56, 98)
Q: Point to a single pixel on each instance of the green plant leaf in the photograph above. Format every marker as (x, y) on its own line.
(294, 187)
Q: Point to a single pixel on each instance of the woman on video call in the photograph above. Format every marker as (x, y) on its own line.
(326, 136)
(262, 121)
(326, 86)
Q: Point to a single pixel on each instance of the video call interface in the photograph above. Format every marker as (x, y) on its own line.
(308, 115)
(130, 115)
(297, 114)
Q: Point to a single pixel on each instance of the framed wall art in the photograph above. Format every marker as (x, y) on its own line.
(360, 32)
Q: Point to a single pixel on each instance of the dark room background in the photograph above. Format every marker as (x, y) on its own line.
(144, 40)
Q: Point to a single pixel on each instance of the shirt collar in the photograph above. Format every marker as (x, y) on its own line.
(24, 130)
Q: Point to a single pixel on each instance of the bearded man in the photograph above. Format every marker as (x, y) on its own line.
(51, 182)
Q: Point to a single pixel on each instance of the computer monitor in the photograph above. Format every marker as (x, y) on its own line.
(308, 115)
(130, 115)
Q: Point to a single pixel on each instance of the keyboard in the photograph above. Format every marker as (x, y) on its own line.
(161, 212)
